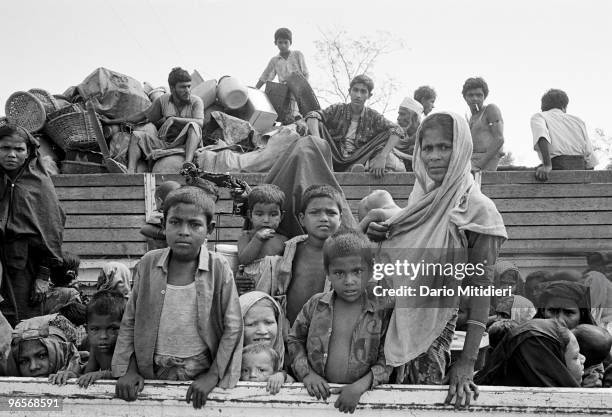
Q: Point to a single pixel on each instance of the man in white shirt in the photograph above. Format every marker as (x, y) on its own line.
(560, 139)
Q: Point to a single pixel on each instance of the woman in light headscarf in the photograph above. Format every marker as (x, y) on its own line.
(516, 308)
(115, 276)
(447, 221)
(42, 346)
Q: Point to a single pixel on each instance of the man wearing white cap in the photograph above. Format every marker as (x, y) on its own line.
(409, 118)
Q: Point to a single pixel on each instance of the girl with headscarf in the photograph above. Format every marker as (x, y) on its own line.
(264, 322)
(567, 301)
(115, 276)
(31, 225)
(538, 353)
(447, 221)
(42, 346)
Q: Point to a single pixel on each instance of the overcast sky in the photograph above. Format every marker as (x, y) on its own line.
(521, 47)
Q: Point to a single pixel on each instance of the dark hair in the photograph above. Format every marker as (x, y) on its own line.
(440, 121)
(12, 129)
(107, 303)
(75, 312)
(164, 189)
(498, 330)
(595, 343)
(473, 83)
(191, 195)
(67, 272)
(266, 194)
(554, 99)
(363, 79)
(424, 93)
(347, 243)
(320, 191)
(178, 75)
(262, 347)
(283, 33)
(207, 186)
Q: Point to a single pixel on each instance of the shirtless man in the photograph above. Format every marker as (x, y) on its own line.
(486, 126)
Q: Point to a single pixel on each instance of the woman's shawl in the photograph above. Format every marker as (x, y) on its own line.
(518, 308)
(113, 273)
(600, 289)
(56, 333)
(29, 207)
(430, 229)
(248, 300)
(575, 291)
(531, 354)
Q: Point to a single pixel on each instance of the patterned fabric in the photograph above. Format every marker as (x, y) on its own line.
(308, 342)
(171, 368)
(282, 67)
(337, 120)
(430, 367)
(57, 335)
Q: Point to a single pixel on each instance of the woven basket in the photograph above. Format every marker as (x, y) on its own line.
(73, 131)
(70, 108)
(46, 99)
(3, 121)
(77, 167)
(25, 110)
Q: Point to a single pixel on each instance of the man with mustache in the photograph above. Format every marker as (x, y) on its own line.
(179, 116)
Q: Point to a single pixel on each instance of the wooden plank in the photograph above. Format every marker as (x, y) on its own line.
(84, 221)
(97, 180)
(546, 190)
(560, 232)
(558, 218)
(226, 234)
(555, 177)
(104, 207)
(100, 193)
(103, 235)
(250, 399)
(101, 249)
(567, 246)
(553, 204)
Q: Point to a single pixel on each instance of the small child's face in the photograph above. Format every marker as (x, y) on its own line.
(260, 325)
(265, 216)
(102, 332)
(186, 230)
(348, 277)
(574, 360)
(13, 152)
(283, 45)
(33, 359)
(256, 367)
(321, 219)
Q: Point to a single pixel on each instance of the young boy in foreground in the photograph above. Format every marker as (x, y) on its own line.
(352, 352)
(182, 321)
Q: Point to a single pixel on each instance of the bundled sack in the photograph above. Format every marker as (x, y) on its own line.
(114, 95)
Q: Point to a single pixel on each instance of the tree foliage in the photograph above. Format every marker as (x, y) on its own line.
(342, 57)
